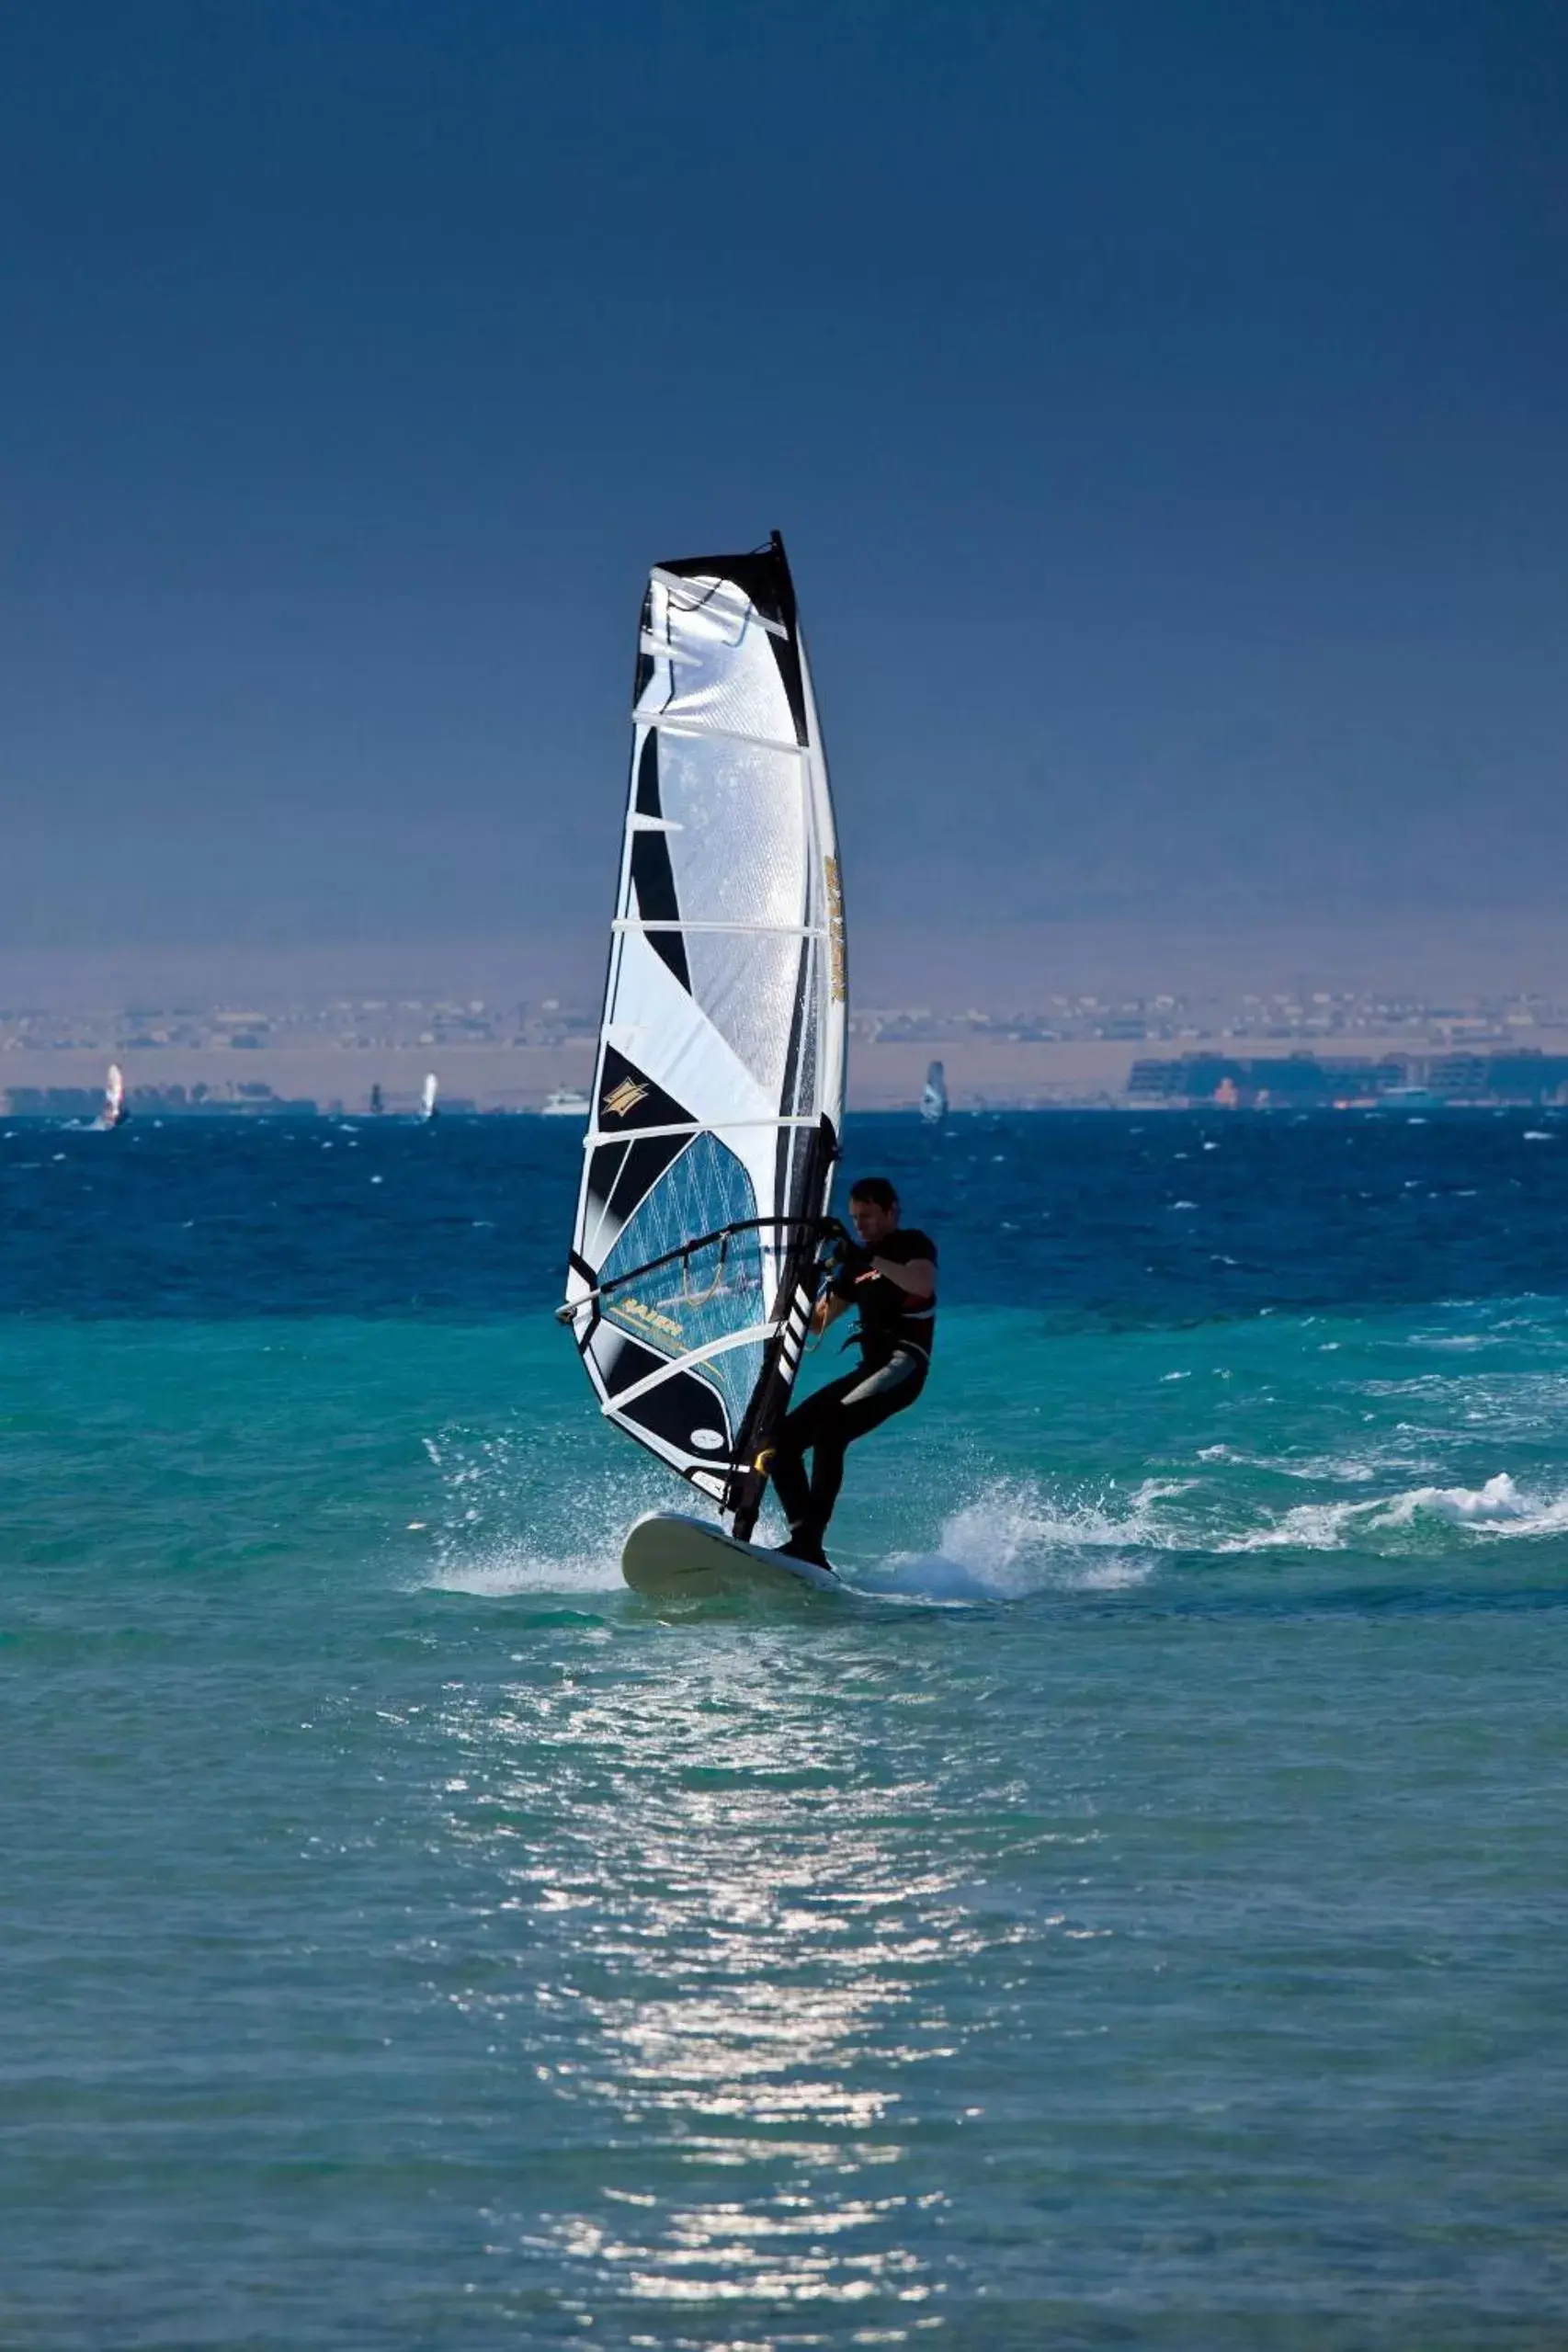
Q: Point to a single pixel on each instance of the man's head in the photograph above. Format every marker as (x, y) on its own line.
(873, 1210)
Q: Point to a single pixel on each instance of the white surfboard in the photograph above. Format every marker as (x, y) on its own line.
(669, 1556)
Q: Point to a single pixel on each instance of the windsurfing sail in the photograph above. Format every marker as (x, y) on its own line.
(933, 1096)
(719, 1090)
(113, 1111)
(427, 1096)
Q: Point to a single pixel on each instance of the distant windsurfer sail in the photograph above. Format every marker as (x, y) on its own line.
(427, 1097)
(933, 1096)
(114, 1113)
(718, 1093)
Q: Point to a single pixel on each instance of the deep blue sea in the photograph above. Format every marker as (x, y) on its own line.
(1133, 1915)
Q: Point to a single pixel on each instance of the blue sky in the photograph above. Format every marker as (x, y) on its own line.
(1165, 406)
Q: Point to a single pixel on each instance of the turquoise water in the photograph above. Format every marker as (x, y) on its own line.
(1133, 1915)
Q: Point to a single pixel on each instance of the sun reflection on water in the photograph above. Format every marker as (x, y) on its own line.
(729, 1919)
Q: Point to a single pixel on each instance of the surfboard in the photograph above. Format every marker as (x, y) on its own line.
(670, 1556)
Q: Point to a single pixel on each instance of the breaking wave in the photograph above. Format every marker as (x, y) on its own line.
(1497, 1509)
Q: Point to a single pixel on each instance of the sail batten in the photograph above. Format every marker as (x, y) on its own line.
(760, 931)
(623, 1397)
(717, 1094)
(667, 723)
(598, 1135)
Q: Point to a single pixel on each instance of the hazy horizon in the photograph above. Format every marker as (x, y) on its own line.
(1164, 410)
(991, 968)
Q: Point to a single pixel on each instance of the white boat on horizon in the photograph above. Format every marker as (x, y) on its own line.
(565, 1102)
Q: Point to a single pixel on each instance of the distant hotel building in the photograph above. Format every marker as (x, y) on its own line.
(1302, 1080)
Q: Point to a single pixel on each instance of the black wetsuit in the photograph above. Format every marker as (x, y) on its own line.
(896, 1334)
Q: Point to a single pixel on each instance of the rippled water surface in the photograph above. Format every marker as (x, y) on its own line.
(1132, 1915)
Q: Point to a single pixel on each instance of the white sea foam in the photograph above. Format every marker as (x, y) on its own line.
(500, 1531)
(1305, 1527)
(1017, 1537)
(1497, 1509)
(505, 1571)
(1342, 1469)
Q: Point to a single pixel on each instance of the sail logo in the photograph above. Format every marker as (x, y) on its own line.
(633, 1311)
(623, 1098)
(835, 931)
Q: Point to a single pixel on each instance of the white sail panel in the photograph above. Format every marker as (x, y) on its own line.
(709, 669)
(748, 987)
(738, 849)
(717, 1094)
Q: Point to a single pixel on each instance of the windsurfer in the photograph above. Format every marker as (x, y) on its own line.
(891, 1278)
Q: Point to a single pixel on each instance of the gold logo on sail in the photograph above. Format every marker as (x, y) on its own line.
(623, 1098)
(649, 1317)
(835, 931)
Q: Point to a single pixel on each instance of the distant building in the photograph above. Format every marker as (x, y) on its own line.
(1302, 1081)
(53, 1102)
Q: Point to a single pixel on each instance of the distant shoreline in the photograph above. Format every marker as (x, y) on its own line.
(982, 1073)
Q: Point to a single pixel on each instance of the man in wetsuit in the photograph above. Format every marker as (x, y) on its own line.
(891, 1278)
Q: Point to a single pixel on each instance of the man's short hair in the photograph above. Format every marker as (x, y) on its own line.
(877, 1189)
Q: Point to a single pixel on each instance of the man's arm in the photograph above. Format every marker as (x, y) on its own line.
(918, 1277)
(828, 1308)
